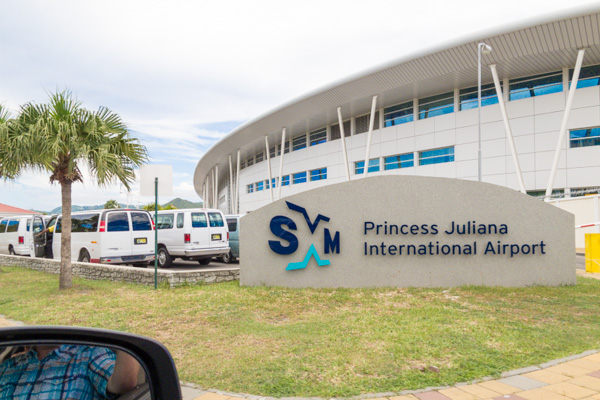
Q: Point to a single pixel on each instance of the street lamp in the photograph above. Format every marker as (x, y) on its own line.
(482, 48)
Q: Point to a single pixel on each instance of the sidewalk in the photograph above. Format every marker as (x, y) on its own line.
(574, 377)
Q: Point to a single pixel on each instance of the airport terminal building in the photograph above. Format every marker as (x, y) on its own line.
(420, 116)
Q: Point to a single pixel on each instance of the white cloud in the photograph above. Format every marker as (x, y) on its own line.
(169, 68)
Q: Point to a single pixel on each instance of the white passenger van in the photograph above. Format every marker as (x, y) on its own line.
(14, 235)
(196, 234)
(116, 236)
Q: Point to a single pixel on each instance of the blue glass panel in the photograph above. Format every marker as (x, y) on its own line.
(537, 85)
(359, 167)
(260, 186)
(285, 181)
(585, 137)
(436, 156)
(436, 111)
(587, 83)
(373, 165)
(300, 177)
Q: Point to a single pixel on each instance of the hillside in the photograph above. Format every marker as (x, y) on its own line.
(177, 203)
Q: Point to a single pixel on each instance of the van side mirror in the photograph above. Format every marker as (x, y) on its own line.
(156, 379)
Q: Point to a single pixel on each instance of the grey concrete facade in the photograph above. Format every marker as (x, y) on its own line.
(509, 239)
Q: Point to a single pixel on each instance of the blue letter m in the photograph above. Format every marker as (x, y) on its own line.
(331, 245)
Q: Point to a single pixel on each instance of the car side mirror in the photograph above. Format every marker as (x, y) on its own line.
(151, 363)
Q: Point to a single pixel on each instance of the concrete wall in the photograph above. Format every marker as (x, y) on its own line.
(586, 210)
(413, 203)
(117, 273)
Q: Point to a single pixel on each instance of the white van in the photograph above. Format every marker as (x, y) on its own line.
(116, 236)
(196, 234)
(14, 235)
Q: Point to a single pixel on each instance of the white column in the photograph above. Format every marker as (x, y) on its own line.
(370, 135)
(216, 193)
(237, 183)
(509, 134)
(415, 109)
(231, 193)
(563, 127)
(281, 163)
(269, 167)
(343, 137)
(212, 194)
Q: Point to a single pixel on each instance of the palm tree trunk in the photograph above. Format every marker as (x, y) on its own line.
(66, 276)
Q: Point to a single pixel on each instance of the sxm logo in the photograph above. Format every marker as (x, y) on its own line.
(330, 244)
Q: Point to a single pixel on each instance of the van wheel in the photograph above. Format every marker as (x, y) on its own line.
(164, 258)
(11, 251)
(227, 258)
(204, 261)
(84, 256)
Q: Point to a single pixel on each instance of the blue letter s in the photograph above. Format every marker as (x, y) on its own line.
(277, 228)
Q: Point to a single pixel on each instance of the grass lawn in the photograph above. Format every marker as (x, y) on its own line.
(324, 342)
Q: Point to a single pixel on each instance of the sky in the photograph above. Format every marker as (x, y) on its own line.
(183, 74)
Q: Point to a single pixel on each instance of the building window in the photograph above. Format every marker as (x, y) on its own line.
(300, 177)
(588, 76)
(299, 142)
(361, 124)
(272, 152)
(537, 85)
(250, 161)
(468, 97)
(399, 161)
(287, 148)
(398, 114)
(359, 166)
(318, 136)
(436, 156)
(250, 188)
(259, 157)
(318, 174)
(436, 105)
(242, 164)
(335, 130)
(260, 186)
(585, 137)
(285, 180)
(273, 183)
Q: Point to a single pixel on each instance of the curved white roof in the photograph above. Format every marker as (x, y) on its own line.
(539, 46)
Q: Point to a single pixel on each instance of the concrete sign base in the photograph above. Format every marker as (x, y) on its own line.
(404, 231)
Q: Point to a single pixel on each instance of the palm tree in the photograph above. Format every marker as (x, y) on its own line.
(110, 204)
(59, 137)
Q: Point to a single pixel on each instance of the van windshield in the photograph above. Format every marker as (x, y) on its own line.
(216, 220)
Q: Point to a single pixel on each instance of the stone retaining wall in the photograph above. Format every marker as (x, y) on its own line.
(120, 273)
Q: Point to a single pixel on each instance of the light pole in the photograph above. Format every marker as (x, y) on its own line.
(482, 48)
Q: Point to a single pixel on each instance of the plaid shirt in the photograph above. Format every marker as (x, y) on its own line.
(67, 372)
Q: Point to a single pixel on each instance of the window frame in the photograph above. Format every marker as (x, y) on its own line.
(423, 158)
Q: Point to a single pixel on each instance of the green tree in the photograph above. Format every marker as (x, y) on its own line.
(58, 138)
(150, 207)
(111, 204)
